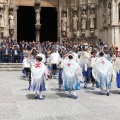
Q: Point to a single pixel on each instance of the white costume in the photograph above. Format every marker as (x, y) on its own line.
(26, 63)
(117, 71)
(38, 75)
(32, 61)
(43, 57)
(54, 58)
(72, 74)
(83, 58)
(102, 72)
(75, 56)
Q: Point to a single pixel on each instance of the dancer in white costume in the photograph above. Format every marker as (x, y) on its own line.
(72, 74)
(38, 78)
(90, 64)
(83, 64)
(42, 56)
(102, 72)
(117, 71)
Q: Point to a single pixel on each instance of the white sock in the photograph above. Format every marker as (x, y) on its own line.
(36, 93)
(74, 93)
(69, 92)
(107, 89)
(41, 94)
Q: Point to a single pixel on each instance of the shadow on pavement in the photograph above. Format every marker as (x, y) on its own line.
(114, 91)
(53, 89)
(24, 89)
(30, 96)
(23, 78)
(93, 92)
(63, 95)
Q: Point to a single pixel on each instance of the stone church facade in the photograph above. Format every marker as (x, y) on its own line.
(77, 19)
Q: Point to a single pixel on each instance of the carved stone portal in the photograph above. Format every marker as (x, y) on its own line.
(83, 20)
(92, 19)
(11, 20)
(75, 21)
(64, 23)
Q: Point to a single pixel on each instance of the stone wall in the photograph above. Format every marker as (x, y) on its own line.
(95, 19)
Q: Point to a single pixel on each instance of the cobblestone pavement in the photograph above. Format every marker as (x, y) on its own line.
(17, 103)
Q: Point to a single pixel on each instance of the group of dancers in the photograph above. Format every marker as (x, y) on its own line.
(93, 67)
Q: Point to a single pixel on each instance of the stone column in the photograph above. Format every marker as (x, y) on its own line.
(113, 35)
(69, 20)
(6, 29)
(11, 20)
(114, 13)
(59, 22)
(58, 25)
(79, 15)
(15, 30)
(37, 6)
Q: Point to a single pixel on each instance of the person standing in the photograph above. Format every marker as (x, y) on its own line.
(38, 75)
(26, 66)
(71, 71)
(83, 59)
(117, 71)
(102, 72)
(60, 66)
(91, 62)
(54, 60)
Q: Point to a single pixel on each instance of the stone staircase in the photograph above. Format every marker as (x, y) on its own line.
(10, 67)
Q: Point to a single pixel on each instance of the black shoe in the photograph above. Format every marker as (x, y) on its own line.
(108, 93)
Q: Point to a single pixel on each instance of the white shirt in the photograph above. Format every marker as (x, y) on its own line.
(43, 57)
(6, 52)
(75, 57)
(15, 52)
(54, 58)
(26, 63)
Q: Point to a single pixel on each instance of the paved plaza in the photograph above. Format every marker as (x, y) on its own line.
(17, 103)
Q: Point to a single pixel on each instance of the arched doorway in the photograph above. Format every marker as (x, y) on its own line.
(26, 23)
(48, 22)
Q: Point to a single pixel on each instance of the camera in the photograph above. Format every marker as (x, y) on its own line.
(34, 52)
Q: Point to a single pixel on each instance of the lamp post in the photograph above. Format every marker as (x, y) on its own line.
(37, 6)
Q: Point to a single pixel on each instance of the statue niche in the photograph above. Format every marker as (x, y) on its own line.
(92, 19)
(64, 24)
(11, 20)
(2, 19)
(83, 22)
(109, 14)
(75, 23)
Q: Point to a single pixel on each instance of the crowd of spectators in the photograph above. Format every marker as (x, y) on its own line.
(13, 52)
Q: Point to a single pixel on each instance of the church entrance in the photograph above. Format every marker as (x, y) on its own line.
(26, 23)
(48, 31)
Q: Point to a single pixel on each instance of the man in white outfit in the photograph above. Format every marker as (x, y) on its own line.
(42, 56)
(54, 60)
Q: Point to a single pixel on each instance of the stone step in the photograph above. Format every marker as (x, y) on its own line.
(10, 63)
(10, 69)
(10, 66)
